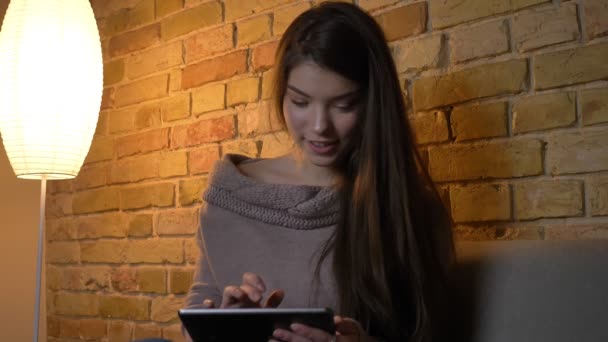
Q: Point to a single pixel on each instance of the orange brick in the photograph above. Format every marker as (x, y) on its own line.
(209, 13)
(134, 40)
(489, 160)
(238, 8)
(263, 55)
(145, 89)
(143, 142)
(124, 279)
(166, 7)
(215, 69)
(107, 98)
(180, 280)
(253, 30)
(257, 119)
(120, 331)
(209, 42)
(205, 131)
(201, 160)
(403, 21)
(473, 83)
(92, 328)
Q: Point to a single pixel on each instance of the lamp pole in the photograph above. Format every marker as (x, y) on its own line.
(40, 254)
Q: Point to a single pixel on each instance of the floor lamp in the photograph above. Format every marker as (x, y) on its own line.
(51, 84)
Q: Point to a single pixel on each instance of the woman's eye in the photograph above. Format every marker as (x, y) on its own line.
(346, 107)
(299, 103)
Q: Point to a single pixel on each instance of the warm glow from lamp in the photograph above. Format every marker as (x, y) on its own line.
(51, 81)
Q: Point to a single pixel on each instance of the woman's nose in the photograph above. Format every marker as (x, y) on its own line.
(321, 122)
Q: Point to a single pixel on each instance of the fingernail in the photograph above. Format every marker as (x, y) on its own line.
(296, 327)
(278, 333)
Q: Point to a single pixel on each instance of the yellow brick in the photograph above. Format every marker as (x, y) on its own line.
(134, 40)
(243, 147)
(253, 30)
(120, 331)
(180, 280)
(150, 88)
(156, 251)
(140, 225)
(284, 16)
(146, 330)
(540, 199)
(539, 29)
(108, 251)
(429, 127)
(113, 72)
(92, 328)
(63, 252)
(135, 308)
(598, 195)
(257, 119)
(191, 190)
(479, 121)
(157, 59)
(152, 280)
(479, 41)
(92, 176)
(104, 225)
(473, 83)
(242, 91)
(164, 309)
(267, 84)
(95, 201)
(177, 222)
(577, 152)
(128, 18)
(449, 13)
(69, 328)
(489, 160)
(191, 250)
(403, 21)
(72, 304)
(596, 12)
(369, 5)
(102, 148)
(239, 8)
(59, 205)
(498, 232)
(580, 65)
(544, 112)
(207, 14)
(419, 54)
(166, 7)
(61, 229)
(493, 198)
(156, 195)
(594, 105)
(173, 164)
(134, 169)
(174, 333)
(134, 118)
(175, 108)
(208, 98)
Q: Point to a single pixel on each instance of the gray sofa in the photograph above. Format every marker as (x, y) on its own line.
(554, 291)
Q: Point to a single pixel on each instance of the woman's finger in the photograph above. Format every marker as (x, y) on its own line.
(254, 280)
(310, 333)
(290, 336)
(274, 299)
(254, 295)
(232, 296)
(209, 304)
(347, 326)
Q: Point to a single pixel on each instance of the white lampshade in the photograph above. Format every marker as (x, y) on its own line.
(51, 82)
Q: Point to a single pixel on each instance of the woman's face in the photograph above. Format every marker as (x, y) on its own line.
(321, 109)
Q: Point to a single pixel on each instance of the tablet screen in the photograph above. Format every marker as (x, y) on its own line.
(250, 324)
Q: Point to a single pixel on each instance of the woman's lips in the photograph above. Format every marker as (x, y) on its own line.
(323, 147)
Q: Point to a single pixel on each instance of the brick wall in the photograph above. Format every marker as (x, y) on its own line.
(508, 99)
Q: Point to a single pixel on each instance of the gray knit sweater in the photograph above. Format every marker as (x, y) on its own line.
(274, 230)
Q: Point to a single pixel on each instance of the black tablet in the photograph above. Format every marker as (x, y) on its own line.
(211, 325)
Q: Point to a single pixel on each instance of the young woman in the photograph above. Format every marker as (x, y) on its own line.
(349, 219)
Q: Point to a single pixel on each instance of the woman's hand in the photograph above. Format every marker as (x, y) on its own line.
(248, 295)
(347, 330)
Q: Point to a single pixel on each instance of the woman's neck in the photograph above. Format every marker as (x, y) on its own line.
(308, 173)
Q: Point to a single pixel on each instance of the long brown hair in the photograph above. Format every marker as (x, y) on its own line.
(393, 247)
